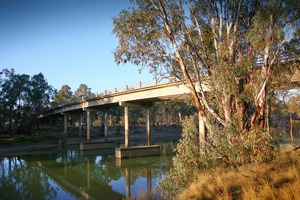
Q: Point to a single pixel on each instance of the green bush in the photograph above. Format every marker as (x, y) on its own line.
(228, 147)
(185, 163)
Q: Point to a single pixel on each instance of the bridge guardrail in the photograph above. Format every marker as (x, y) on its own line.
(118, 89)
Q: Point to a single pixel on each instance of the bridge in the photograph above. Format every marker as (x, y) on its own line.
(139, 96)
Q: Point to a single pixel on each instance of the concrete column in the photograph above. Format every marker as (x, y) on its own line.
(126, 116)
(105, 125)
(88, 126)
(66, 124)
(80, 125)
(148, 127)
(202, 131)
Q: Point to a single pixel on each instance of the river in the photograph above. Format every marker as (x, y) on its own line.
(68, 173)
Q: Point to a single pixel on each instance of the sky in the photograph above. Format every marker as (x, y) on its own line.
(68, 41)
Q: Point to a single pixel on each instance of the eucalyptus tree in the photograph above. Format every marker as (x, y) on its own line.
(13, 95)
(231, 48)
(172, 111)
(290, 105)
(83, 91)
(23, 99)
(63, 95)
(38, 97)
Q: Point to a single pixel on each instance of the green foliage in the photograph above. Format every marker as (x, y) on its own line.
(22, 99)
(185, 164)
(233, 147)
(172, 111)
(83, 91)
(63, 95)
(235, 49)
(238, 44)
(227, 148)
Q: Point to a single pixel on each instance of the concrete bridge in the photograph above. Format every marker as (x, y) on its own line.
(139, 96)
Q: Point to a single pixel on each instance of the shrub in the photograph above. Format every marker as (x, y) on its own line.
(228, 147)
(185, 163)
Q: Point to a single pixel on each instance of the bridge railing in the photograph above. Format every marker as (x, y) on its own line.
(118, 89)
(136, 86)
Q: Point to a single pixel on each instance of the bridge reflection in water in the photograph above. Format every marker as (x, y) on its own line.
(75, 174)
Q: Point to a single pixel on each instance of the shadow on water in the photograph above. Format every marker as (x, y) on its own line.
(74, 174)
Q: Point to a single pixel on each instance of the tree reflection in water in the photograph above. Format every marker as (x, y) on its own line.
(24, 180)
(79, 174)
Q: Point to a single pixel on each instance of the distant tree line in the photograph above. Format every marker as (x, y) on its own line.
(65, 95)
(22, 100)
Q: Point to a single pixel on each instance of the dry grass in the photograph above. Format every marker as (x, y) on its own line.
(277, 180)
(146, 195)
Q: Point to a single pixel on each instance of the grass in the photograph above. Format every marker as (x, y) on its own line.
(277, 180)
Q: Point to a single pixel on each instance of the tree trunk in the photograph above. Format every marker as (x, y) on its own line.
(182, 66)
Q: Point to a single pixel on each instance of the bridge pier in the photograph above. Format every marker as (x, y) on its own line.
(88, 125)
(105, 124)
(80, 125)
(148, 127)
(137, 151)
(126, 117)
(126, 106)
(65, 124)
(89, 122)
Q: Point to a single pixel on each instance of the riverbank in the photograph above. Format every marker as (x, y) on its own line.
(279, 179)
(43, 139)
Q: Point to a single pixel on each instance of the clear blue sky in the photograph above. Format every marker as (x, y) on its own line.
(68, 41)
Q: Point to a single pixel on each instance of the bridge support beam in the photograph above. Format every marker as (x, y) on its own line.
(88, 125)
(65, 124)
(148, 127)
(126, 117)
(80, 125)
(105, 124)
(105, 121)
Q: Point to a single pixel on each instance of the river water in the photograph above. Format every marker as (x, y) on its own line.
(69, 173)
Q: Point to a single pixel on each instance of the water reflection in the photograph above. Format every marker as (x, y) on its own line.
(73, 174)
